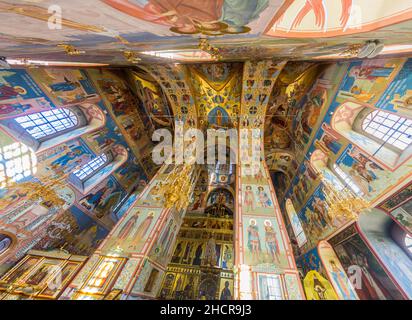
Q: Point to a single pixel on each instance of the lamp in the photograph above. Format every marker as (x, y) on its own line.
(343, 203)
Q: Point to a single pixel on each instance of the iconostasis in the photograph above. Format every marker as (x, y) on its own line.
(203, 259)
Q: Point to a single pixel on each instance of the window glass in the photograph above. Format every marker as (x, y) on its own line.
(91, 167)
(43, 124)
(389, 128)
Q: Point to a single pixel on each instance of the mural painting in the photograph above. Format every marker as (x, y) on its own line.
(67, 217)
(263, 243)
(336, 273)
(374, 283)
(375, 228)
(134, 230)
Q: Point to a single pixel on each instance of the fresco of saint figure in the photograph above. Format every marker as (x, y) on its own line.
(254, 239)
(341, 281)
(272, 244)
(249, 199)
(142, 230)
(226, 294)
(210, 257)
(263, 197)
(211, 17)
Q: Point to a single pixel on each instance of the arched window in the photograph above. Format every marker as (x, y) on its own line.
(43, 130)
(389, 128)
(90, 168)
(17, 162)
(44, 124)
(347, 180)
(384, 136)
(90, 174)
(296, 224)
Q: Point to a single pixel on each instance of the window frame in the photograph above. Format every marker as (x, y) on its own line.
(50, 124)
(93, 171)
(382, 127)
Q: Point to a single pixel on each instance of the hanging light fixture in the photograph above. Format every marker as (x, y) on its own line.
(43, 190)
(178, 186)
(343, 203)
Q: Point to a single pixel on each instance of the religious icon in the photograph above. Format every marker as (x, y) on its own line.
(272, 244)
(198, 255)
(317, 287)
(341, 281)
(254, 239)
(210, 257)
(249, 199)
(227, 259)
(40, 274)
(226, 294)
(263, 197)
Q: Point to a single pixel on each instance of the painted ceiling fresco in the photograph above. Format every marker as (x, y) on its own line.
(161, 30)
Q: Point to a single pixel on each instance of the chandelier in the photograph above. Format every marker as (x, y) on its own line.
(177, 187)
(42, 190)
(343, 203)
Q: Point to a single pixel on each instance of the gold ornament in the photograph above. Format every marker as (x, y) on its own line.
(70, 50)
(205, 46)
(343, 203)
(44, 190)
(131, 56)
(177, 188)
(352, 51)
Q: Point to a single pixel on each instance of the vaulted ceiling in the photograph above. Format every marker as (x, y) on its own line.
(123, 31)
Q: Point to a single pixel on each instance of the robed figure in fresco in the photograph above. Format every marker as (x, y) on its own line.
(253, 239)
(142, 230)
(128, 226)
(264, 200)
(342, 282)
(249, 200)
(210, 258)
(211, 17)
(226, 294)
(370, 286)
(272, 244)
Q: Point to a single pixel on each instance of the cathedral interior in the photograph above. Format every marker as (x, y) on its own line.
(91, 90)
